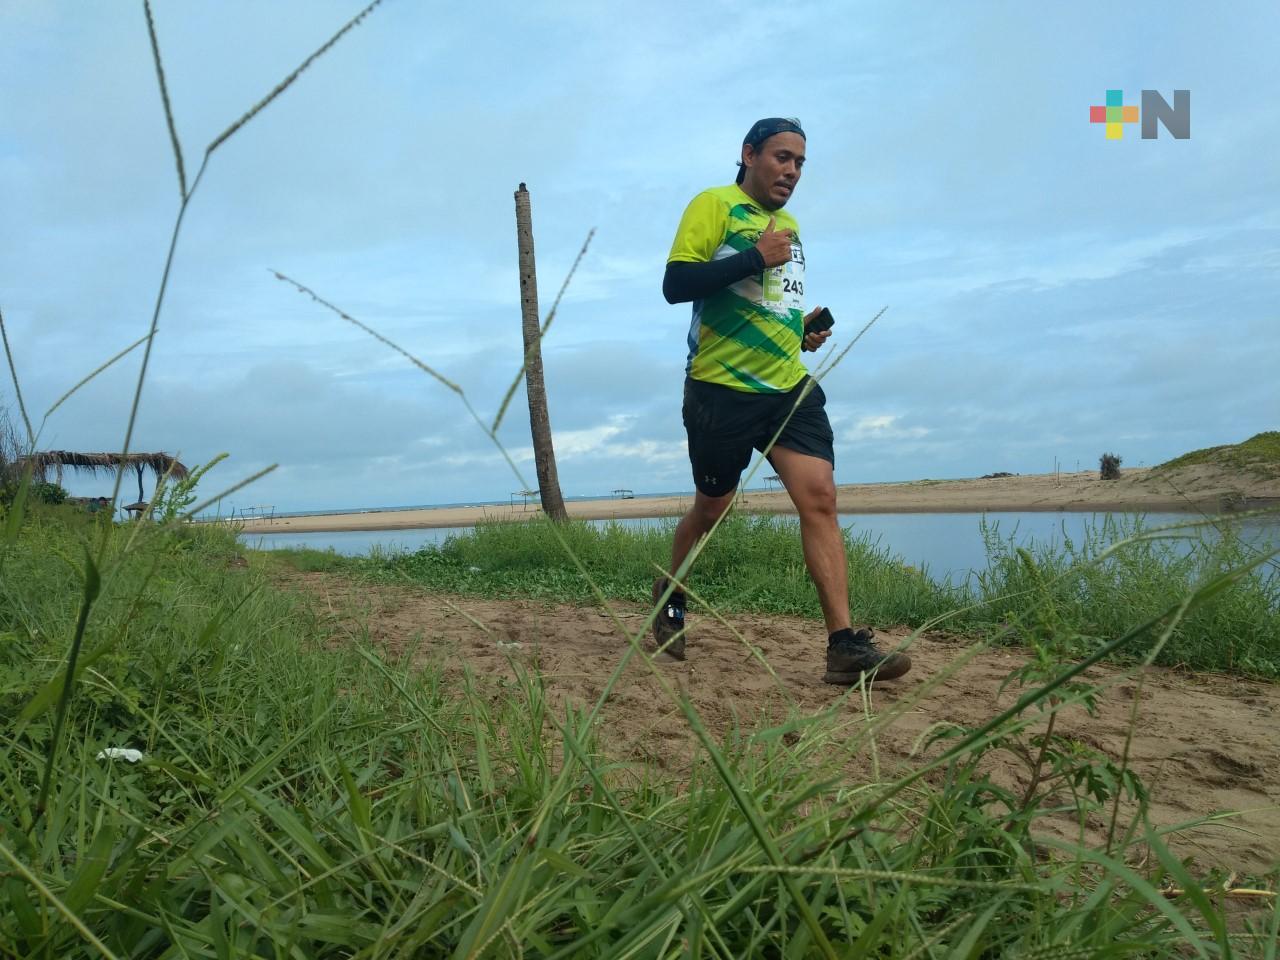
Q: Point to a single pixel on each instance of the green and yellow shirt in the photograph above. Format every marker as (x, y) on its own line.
(746, 336)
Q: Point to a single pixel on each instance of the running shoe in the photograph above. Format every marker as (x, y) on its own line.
(851, 655)
(668, 625)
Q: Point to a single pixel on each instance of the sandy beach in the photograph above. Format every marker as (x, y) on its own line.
(1193, 489)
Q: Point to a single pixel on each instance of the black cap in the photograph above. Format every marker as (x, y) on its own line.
(762, 130)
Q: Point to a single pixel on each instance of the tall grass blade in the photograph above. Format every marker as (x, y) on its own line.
(18, 509)
(1190, 888)
(967, 948)
(92, 868)
(182, 209)
(551, 315)
(17, 387)
(301, 288)
(97, 370)
(284, 84)
(92, 584)
(833, 362)
(1152, 897)
(1272, 938)
(150, 341)
(164, 98)
(48, 895)
(206, 504)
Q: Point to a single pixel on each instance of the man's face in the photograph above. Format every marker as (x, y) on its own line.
(773, 168)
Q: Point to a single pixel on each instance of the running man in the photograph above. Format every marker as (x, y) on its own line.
(738, 259)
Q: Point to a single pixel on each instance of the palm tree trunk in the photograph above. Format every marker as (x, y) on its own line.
(544, 454)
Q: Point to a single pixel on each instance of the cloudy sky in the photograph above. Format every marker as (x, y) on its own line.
(1051, 293)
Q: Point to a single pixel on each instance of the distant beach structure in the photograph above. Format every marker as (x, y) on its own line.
(524, 497)
(160, 464)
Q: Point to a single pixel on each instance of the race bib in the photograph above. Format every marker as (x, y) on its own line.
(784, 284)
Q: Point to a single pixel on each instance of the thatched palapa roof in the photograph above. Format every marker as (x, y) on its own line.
(158, 463)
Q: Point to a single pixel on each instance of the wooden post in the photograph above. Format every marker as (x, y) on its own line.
(544, 454)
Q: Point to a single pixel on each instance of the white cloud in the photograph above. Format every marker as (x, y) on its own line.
(884, 426)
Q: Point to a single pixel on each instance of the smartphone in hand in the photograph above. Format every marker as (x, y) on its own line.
(823, 321)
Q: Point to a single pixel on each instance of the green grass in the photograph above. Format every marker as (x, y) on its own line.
(754, 565)
(1087, 591)
(301, 798)
(308, 560)
(1260, 454)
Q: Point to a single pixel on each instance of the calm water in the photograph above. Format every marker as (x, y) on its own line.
(947, 545)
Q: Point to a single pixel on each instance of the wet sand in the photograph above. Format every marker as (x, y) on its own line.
(1195, 489)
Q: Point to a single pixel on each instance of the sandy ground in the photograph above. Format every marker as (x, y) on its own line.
(1203, 743)
(1197, 488)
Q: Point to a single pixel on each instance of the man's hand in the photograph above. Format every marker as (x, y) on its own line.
(774, 246)
(813, 341)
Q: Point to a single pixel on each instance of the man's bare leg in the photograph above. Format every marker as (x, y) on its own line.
(668, 624)
(810, 482)
(697, 523)
(851, 656)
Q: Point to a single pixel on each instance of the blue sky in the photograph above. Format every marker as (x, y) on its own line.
(1051, 294)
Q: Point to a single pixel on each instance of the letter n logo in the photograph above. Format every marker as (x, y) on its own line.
(1176, 119)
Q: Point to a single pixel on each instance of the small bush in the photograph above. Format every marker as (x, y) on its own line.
(1110, 466)
(48, 492)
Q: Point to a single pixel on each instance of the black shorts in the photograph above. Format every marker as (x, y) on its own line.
(725, 425)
